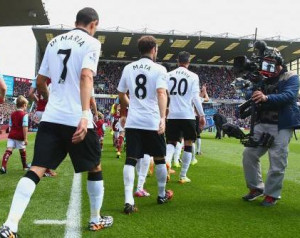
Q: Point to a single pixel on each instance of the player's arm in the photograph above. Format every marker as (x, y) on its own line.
(162, 104)
(42, 87)
(25, 128)
(123, 98)
(204, 93)
(94, 108)
(86, 86)
(3, 89)
(32, 96)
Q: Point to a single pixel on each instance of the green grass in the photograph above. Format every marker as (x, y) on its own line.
(210, 206)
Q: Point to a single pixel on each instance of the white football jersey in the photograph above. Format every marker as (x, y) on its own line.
(142, 78)
(66, 55)
(183, 85)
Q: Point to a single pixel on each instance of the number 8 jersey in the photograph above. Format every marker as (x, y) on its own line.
(66, 55)
(183, 86)
(142, 78)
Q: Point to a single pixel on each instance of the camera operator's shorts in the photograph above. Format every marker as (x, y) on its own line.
(140, 142)
(54, 141)
(178, 128)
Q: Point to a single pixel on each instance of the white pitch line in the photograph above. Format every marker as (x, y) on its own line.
(73, 223)
(50, 222)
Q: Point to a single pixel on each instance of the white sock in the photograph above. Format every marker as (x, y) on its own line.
(138, 166)
(128, 175)
(193, 151)
(161, 175)
(23, 193)
(198, 150)
(96, 193)
(170, 153)
(186, 160)
(177, 152)
(144, 167)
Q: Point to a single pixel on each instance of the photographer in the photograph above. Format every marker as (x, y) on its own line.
(278, 115)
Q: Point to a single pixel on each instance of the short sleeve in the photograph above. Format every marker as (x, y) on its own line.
(122, 87)
(91, 58)
(162, 79)
(25, 120)
(44, 69)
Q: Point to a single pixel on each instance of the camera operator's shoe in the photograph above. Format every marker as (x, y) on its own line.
(5, 232)
(166, 198)
(269, 201)
(104, 222)
(128, 208)
(253, 194)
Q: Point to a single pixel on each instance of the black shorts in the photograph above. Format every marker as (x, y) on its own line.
(54, 141)
(140, 142)
(198, 131)
(178, 128)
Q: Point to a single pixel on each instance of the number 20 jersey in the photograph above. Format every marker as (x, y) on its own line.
(183, 86)
(142, 78)
(66, 55)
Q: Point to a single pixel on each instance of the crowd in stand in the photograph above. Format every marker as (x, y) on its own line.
(216, 79)
(5, 110)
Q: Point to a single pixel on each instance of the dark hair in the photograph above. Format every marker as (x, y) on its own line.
(146, 44)
(183, 57)
(86, 16)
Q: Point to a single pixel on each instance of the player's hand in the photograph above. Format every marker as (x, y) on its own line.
(81, 131)
(26, 142)
(202, 122)
(122, 121)
(162, 126)
(258, 97)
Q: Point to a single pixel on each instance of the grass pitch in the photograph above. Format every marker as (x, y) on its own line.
(210, 206)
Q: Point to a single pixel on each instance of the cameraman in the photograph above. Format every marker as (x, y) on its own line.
(279, 116)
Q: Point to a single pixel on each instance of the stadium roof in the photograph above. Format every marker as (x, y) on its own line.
(22, 13)
(209, 50)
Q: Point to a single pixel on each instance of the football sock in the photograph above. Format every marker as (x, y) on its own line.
(128, 175)
(170, 153)
(161, 175)
(23, 193)
(96, 193)
(144, 167)
(193, 152)
(23, 158)
(5, 158)
(186, 160)
(198, 150)
(177, 152)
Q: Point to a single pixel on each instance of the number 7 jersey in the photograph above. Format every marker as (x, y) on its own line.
(66, 55)
(183, 86)
(142, 78)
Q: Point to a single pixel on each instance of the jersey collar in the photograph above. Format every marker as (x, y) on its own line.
(146, 57)
(81, 30)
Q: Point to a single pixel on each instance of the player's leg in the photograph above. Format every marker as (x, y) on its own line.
(177, 153)
(95, 189)
(157, 148)
(198, 145)
(194, 160)
(189, 134)
(6, 155)
(133, 152)
(21, 199)
(86, 156)
(49, 152)
(23, 159)
(143, 164)
(120, 141)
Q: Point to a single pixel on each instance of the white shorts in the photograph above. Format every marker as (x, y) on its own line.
(37, 116)
(15, 144)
